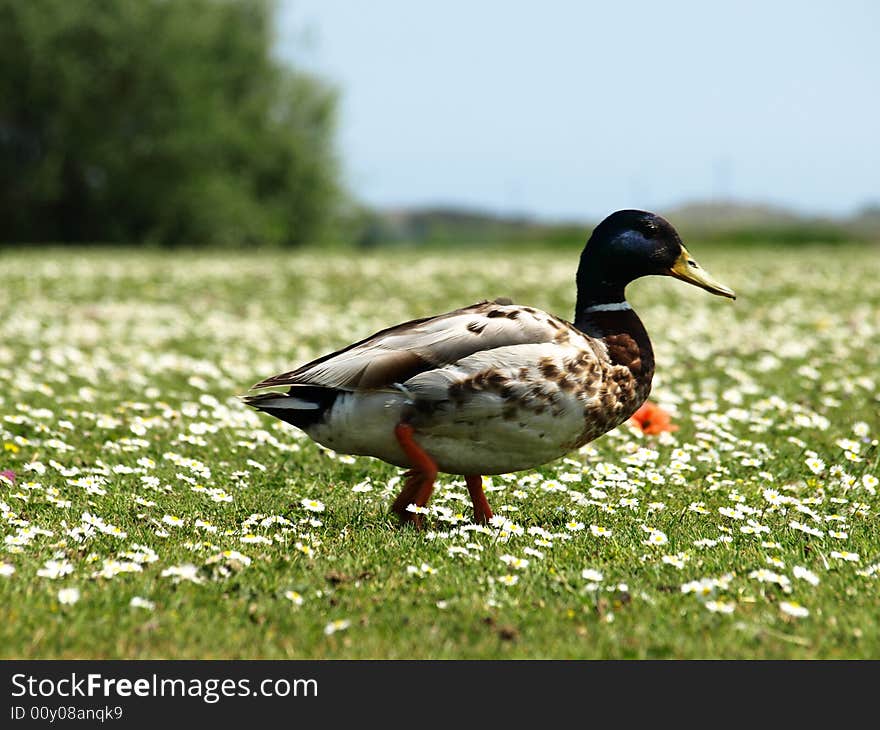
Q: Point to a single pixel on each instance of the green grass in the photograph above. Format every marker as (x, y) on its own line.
(113, 362)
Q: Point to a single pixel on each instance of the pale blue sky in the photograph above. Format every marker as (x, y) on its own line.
(574, 109)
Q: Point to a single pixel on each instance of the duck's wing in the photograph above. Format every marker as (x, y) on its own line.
(398, 353)
(522, 372)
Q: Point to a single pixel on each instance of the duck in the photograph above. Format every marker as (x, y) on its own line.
(493, 387)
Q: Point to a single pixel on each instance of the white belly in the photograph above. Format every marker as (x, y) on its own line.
(461, 440)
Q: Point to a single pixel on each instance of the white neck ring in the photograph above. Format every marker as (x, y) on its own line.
(610, 307)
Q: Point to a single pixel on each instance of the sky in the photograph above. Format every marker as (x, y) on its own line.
(570, 110)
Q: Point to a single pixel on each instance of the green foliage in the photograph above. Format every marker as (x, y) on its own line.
(156, 121)
(791, 235)
(436, 228)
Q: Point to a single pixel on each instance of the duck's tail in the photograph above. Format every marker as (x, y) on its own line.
(301, 406)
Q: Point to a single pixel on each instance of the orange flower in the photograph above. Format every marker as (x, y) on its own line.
(652, 419)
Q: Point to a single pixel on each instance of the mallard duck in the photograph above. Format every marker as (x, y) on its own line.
(494, 387)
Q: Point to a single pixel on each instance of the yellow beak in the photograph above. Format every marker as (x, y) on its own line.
(687, 269)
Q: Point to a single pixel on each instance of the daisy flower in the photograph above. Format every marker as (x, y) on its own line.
(815, 532)
(845, 555)
(807, 575)
(251, 539)
(793, 608)
(655, 537)
(703, 588)
(54, 569)
(768, 576)
(68, 596)
(677, 561)
(420, 571)
(720, 606)
(337, 625)
(514, 562)
(187, 571)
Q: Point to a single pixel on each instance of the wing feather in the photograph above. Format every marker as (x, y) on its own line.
(398, 353)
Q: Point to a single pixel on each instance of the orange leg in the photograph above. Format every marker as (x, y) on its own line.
(409, 495)
(420, 479)
(482, 510)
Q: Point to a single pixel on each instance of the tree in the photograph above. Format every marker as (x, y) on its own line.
(159, 120)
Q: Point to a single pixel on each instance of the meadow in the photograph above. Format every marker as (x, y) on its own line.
(147, 513)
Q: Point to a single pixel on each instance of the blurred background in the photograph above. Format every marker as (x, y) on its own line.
(243, 123)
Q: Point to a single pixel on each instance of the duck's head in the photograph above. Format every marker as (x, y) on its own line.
(630, 244)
